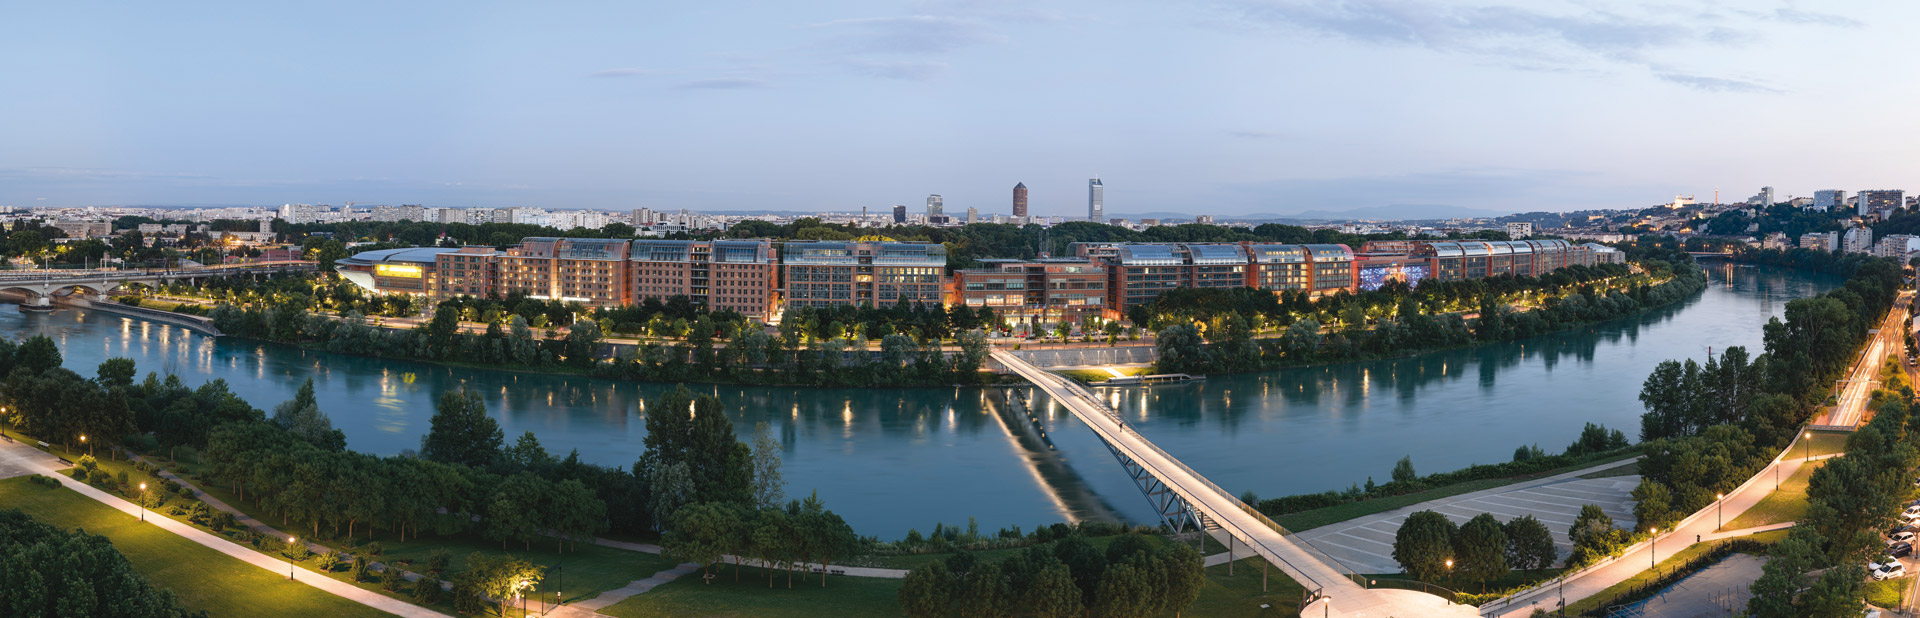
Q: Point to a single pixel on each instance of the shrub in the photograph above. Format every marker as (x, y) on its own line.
(361, 570)
(438, 559)
(298, 551)
(88, 462)
(122, 477)
(391, 580)
(328, 561)
(373, 549)
(223, 520)
(45, 481)
(426, 590)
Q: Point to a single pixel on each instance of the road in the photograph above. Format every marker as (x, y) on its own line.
(1298, 562)
(1850, 409)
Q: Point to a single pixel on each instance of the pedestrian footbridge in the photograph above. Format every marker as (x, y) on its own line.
(1184, 498)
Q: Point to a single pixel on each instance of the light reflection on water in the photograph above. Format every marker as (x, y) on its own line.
(889, 459)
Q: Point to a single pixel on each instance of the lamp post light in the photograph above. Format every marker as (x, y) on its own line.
(1653, 547)
(1806, 447)
(83, 442)
(290, 541)
(142, 505)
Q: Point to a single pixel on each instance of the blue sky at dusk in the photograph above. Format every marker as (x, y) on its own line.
(1219, 108)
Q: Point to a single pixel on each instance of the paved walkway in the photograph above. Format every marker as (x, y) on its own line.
(1668, 544)
(1366, 543)
(17, 455)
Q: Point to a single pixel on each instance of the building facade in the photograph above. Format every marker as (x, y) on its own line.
(1020, 200)
(1034, 292)
(1880, 199)
(1096, 200)
(1828, 199)
(827, 273)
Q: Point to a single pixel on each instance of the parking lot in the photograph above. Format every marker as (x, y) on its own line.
(1365, 544)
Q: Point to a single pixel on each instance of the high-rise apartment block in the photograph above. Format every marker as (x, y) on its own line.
(1858, 240)
(936, 207)
(1881, 199)
(1020, 200)
(1519, 230)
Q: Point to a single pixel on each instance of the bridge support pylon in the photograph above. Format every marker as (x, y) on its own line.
(1173, 511)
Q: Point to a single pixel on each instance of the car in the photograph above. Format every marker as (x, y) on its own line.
(1905, 536)
(1890, 571)
(1901, 550)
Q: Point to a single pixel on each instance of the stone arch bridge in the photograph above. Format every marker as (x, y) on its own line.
(38, 287)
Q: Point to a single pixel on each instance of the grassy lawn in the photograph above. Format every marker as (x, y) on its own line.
(843, 597)
(1308, 520)
(1239, 595)
(1606, 597)
(1787, 504)
(909, 561)
(585, 572)
(1887, 592)
(1627, 469)
(1102, 375)
(1822, 443)
(203, 578)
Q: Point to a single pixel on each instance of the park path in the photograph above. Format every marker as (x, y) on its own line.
(1701, 529)
(13, 452)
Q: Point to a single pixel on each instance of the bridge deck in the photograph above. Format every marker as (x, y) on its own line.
(1200, 494)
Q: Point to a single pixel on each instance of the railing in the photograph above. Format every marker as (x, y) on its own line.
(1415, 585)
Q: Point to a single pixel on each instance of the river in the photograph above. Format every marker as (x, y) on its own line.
(890, 459)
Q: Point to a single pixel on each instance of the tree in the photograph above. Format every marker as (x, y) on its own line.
(52, 572)
(1529, 544)
(768, 486)
(1480, 550)
(1787, 564)
(1837, 594)
(927, 592)
(985, 593)
(527, 454)
(1051, 594)
(1185, 575)
(1653, 505)
(671, 487)
(37, 354)
(461, 432)
(1593, 536)
(1424, 544)
(116, 372)
(1403, 470)
(1849, 508)
(702, 533)
(301, 416)
(1125, 591)
(514, 510)
(497, 577)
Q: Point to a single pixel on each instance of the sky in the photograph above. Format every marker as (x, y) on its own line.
(1225, 108)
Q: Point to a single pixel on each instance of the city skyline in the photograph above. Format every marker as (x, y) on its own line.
(806, 109)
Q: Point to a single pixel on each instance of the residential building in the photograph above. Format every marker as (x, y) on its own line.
(1519, 230)
(1096, 200)
(404, 212)
(1776, 240)
(1820, 241)
(1020, 200)
(827, 273)
(84, 229)
(1858, 240)
(466, 271)
(1881, 199)
(301, 213)
(1593, 254)
(1034, 292)
(1897, 246)
(588, 270)
(1764, 199)
(723, 275)
(1202, 220)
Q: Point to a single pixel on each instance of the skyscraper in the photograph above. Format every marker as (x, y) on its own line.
(1095, 199)
(935, 206)
(899, 213)
(1020, 200)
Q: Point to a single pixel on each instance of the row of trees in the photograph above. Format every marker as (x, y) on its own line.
(753, 356)
(1135, 577)
(1227, 343)
(1429, 547)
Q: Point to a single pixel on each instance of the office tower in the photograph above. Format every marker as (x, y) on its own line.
(1829, 199)
(935, 206)
(1020, 200)
(973, 215)
(1095, 199)
(899, 213)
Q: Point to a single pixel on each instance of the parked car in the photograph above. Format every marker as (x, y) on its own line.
(1900, 537)
(1890, 571)
(1901, 550)
(1911, 509)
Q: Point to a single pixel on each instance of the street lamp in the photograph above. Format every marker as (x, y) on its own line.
(1720, 511)
(1806, 447)
(290, 542)
(83, 442)
(143, 503)
(1653, 546)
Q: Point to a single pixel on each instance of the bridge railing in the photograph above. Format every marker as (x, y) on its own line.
(1042, 378)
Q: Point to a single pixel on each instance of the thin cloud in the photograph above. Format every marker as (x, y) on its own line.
(1253, 134)
(1715, 84)
(724, 83)
(1796, 16)
(913, 35)
(909, 70)
(624, 72)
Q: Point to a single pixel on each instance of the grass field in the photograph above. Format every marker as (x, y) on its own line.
(1606, 597)
(203, 578)
(584, 573)
(1627, 469)
(843, 597)
(1822, 443)
(1887, 592)
(1308, 520)
(1239, 595)
(1787, 504)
